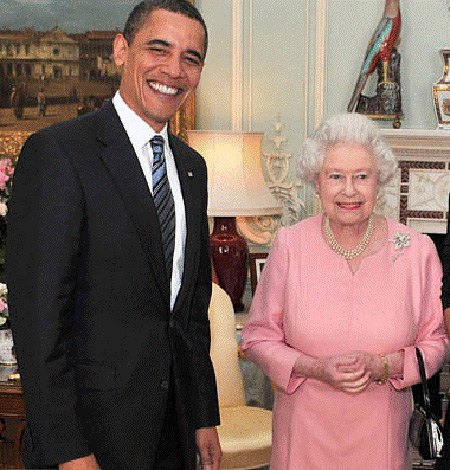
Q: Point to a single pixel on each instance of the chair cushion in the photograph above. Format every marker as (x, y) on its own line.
(224, 350)
(245, 436)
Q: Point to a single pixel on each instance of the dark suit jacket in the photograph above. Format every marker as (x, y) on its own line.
(89, 302)
(445, 258)
(443, 463)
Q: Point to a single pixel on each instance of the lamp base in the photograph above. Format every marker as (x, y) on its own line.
(229, 253)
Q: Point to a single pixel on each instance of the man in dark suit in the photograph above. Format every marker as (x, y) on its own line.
(108, 269)
(443, 462)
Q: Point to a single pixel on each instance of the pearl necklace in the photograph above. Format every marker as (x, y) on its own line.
(347, 254)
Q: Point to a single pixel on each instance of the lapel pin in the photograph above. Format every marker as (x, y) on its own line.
(190, 174)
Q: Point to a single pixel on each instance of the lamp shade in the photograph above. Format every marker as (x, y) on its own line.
(236, 184)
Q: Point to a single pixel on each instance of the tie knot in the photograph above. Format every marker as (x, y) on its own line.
(157, 139)
(157, 143)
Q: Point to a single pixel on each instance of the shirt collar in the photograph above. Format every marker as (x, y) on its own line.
(139, 132)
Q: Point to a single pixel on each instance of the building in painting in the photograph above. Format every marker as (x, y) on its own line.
(96, 55)
(28, 54)
(69, 66)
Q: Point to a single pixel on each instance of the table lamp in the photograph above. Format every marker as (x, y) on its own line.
(236, 188)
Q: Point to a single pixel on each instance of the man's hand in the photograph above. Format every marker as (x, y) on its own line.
(209, 448)
(84, 463)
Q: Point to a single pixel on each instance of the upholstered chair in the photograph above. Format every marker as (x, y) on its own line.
(246, 431)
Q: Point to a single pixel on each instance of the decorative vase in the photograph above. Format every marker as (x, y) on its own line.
(441, 94)
(7, 357)
(229, 254)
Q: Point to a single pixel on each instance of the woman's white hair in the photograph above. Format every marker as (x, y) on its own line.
(349, 128)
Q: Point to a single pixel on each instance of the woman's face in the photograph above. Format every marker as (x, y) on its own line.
(348, 184)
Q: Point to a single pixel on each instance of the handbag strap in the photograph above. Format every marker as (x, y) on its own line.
(423, 377)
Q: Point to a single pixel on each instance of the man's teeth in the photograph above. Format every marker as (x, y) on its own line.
(164, 88)
(349, 204)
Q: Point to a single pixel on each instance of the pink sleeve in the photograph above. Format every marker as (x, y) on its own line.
(431, 337)
(263, 335)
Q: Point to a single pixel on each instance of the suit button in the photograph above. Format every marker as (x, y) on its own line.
(171, 323)
(164, 384)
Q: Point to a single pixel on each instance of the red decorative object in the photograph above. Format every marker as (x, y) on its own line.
(229, 253)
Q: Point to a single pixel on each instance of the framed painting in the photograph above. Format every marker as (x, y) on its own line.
(257, 261)
(56, 63)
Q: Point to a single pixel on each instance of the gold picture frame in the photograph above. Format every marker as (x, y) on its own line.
(257, 262)
(184, 119)
(11, 142)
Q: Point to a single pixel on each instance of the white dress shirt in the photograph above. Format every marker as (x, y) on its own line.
(140, 134)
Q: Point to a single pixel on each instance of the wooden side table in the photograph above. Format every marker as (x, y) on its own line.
(12, 406)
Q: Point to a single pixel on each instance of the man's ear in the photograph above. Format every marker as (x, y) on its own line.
(120, 49)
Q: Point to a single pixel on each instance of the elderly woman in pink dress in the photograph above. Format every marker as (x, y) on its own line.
(344, 299)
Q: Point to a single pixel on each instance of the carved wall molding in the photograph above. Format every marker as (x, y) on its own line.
(321, 44)
(290, 192)
(237, 61)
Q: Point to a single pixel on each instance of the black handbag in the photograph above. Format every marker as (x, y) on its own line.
(425, 432)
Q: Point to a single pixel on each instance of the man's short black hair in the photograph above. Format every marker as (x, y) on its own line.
(141, 11)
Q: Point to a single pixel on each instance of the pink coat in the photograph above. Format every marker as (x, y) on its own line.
(309, 302)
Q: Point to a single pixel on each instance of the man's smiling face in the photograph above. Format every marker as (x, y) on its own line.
(161, 66)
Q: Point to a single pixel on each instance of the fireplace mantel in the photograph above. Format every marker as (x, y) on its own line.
(418, 194)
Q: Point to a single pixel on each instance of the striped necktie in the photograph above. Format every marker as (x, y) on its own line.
(163, 198)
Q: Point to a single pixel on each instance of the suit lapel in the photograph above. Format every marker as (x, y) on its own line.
(119, 157)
